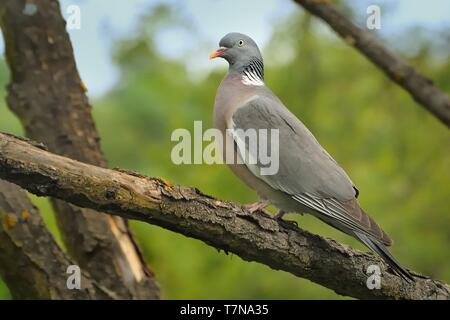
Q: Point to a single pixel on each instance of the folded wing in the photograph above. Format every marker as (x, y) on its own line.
(306, 171)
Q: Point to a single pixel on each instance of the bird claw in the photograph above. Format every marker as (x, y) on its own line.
(291, 222)
(279, 218)
(260, 205)
(279, 215)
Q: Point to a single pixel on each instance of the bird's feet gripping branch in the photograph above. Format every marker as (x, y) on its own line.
(258, 206)
(262, 204)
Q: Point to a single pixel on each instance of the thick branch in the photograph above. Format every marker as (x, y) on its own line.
(221, 224)
(31, 263)
(420, 87)
(48, 96)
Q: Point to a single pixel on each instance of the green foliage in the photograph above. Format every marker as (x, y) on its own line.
(396, 152)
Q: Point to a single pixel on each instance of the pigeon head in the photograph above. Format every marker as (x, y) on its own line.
(238, 50)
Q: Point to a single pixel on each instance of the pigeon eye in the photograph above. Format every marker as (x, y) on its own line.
(241, 43)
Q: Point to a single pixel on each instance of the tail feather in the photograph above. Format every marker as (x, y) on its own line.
(382, 251)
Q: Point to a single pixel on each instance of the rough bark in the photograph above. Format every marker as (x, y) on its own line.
(49, 97)
(419, 87)
(221, 224)
(31, 263)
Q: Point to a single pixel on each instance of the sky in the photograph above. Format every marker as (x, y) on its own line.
(104, 21)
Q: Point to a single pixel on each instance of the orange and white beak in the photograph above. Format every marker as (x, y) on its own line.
(219, 52)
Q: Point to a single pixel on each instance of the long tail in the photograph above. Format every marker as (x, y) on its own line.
(383, 252)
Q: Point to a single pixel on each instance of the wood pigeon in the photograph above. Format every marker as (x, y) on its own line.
(308, 179)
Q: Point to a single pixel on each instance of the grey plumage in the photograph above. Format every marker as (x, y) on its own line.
(309, 180)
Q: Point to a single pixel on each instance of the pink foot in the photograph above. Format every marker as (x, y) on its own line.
(257, 206)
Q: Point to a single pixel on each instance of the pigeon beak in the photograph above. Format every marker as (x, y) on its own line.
(219, 52)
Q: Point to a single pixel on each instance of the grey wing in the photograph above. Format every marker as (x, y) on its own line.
(304, 166)
(306, 171)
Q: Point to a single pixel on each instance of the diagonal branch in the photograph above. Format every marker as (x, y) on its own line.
(221, 224)
(420, 87)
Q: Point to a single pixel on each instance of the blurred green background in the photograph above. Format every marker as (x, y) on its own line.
(396, 152)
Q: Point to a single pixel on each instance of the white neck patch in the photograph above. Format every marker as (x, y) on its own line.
(250, 78)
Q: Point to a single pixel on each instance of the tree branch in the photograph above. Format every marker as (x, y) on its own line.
(48, 96)
(221, 224)
(31, 263)
(420, 87)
